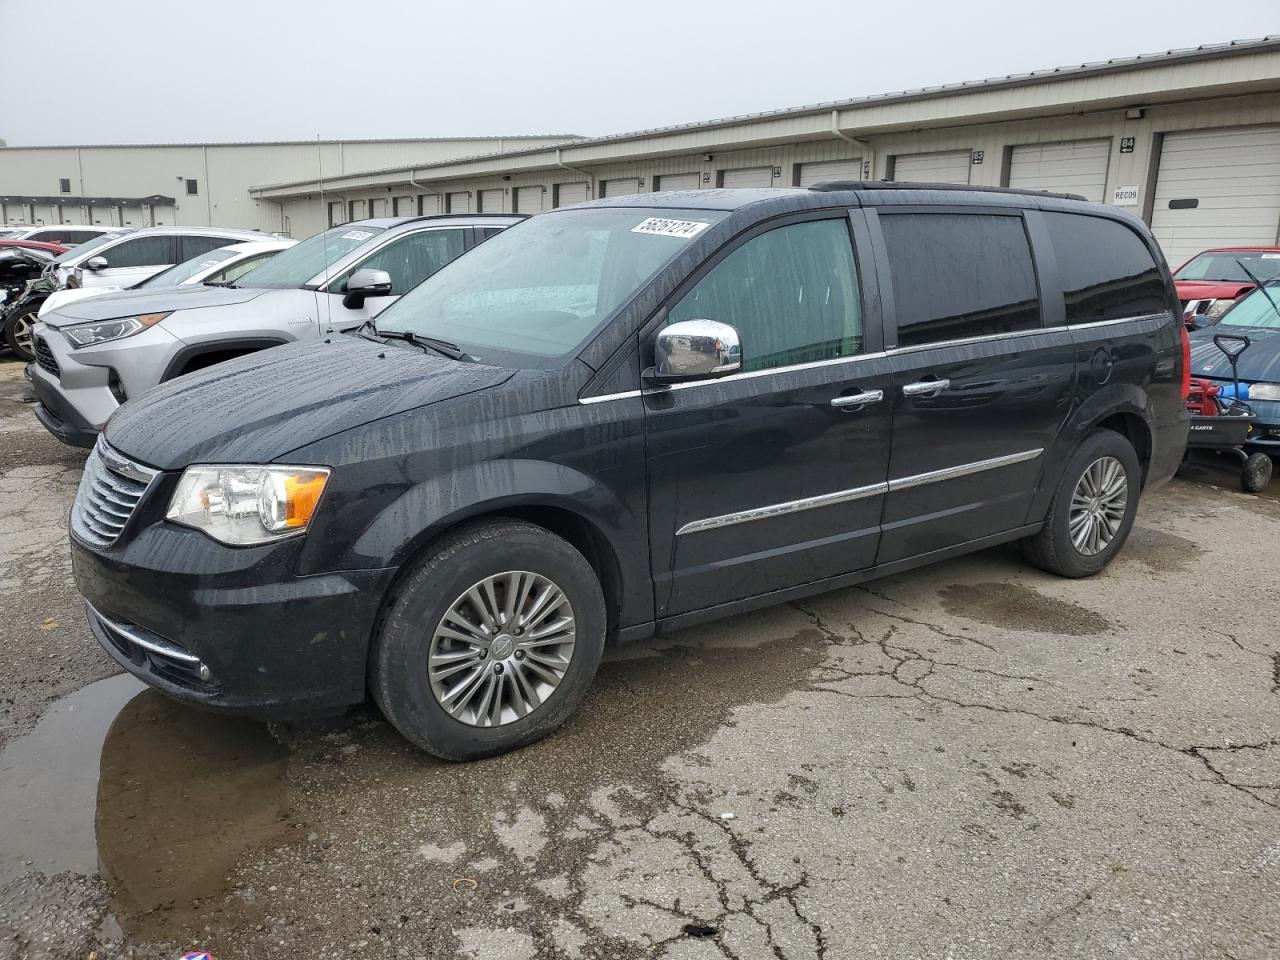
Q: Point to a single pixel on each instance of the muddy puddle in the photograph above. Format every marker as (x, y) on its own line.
(1014, 606)
(158, 799)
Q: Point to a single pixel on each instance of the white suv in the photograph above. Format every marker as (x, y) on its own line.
(134, 257)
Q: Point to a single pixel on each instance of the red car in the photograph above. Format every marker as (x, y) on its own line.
(1212, 281)
(56, 249)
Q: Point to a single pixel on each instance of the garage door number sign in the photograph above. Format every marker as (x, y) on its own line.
(1125, 197)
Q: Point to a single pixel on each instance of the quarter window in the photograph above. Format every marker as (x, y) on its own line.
(792, 294)
(959, 275)
(1107, 271)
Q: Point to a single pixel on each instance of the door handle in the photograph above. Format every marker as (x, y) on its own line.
(925, 388)
(856, 401)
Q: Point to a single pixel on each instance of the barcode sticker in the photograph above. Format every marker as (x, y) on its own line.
(661, 227)
(356, 235)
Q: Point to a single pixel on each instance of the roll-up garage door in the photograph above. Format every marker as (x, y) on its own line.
(951, 166)
(528, 199)
(829, 171)
(749, 177)
(459, 202)
(403, 207)
(570, 193)
(377, 207)
(490, 201)
(618, 188)
(1078, 166)
(679, 181)
(1217, 188)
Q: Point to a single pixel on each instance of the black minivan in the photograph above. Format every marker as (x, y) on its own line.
(624, 417)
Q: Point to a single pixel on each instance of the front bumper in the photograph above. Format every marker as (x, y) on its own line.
(230, 629)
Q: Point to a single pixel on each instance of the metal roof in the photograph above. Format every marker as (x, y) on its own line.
(567, 137)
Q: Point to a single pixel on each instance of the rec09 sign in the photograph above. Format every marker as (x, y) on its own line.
(1125, 197)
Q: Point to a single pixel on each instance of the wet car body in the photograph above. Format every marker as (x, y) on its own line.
(623, 469)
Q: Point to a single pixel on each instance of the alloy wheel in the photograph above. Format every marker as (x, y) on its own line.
(1098, 505)
(501, 649)
(22, 334)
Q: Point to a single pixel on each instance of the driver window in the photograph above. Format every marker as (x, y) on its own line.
(234, 272)
(792, 294)
(409, 260)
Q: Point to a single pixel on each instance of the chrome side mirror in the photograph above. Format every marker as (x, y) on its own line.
(693, 349)
(366, 283)
(96, 263)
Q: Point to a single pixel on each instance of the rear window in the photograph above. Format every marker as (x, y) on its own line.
(960, 275)
(1107, 271)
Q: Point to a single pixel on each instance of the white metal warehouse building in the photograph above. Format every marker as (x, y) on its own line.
(1189, 139)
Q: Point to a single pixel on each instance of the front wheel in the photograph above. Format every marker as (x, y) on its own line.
(17, 334)
(490, 641)
(1092, 510)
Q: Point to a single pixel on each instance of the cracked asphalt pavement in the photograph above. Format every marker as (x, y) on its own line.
(975, 760)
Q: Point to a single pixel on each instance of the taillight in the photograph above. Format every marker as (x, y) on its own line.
(1186, 362)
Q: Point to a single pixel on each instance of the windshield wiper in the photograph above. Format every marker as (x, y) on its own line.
(219, 283)
(1261, 286)
(433, 344)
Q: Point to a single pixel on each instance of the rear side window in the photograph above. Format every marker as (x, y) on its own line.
(792, 294)
(1107, 271)
(142, 252)
(960, 275)
(196, 246)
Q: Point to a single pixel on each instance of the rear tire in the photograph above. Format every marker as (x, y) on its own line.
(1255, 475)
(17, 334)
(1092, 510)
(459, 669)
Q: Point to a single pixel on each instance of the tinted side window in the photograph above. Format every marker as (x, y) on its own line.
(198, 246)
(1107, 271)
(410, 260)
(238, 270)
(142, 252)
(960, 275)
(792, 293)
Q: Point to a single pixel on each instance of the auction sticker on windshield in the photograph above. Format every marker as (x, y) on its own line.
(661, 227)
(356, 235)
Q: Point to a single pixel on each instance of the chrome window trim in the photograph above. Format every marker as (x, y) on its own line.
(963, 470)
(879, 355)
(857, 493)
(780, 509)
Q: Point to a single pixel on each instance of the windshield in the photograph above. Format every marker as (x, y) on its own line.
(296, 266)
(182, 272)
(81, 248)
(1222, 265)
(541, 288)
(1255, 310)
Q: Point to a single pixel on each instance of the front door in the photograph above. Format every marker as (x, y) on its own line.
(980, 388)
(774, 476)
(132, 261)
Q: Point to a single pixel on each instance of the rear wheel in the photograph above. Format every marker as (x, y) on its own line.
(1255, 475)
(17, 334)
(1092, 509)
(490, 641)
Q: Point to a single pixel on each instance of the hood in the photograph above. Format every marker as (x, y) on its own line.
(257, 408)
(130, 303)
(1211, 289)
(1260, 363)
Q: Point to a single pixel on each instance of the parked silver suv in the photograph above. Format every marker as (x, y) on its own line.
(93, 355)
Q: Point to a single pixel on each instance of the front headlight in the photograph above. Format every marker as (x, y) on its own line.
(244, 505)
(84, 334)
(1264, 391)
(1218, 308)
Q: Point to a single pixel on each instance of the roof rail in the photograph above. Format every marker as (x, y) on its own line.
(912, 185)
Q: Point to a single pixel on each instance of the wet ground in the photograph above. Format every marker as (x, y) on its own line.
(972, 761)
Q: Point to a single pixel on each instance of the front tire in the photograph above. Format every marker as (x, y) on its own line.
(17, 334)
(1093, 508)
(490, 640)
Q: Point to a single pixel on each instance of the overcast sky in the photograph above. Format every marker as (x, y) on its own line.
(125, 71)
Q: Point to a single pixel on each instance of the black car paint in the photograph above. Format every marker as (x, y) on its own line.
(419, 444)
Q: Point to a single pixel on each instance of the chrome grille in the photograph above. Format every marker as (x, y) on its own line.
(110, 489)
(44, 356)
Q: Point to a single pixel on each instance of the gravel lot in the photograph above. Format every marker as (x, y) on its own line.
(976, 760)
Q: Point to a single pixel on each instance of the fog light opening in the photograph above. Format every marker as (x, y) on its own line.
(116, 387)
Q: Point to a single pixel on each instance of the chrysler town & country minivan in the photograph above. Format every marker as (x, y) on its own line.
(624, 417)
